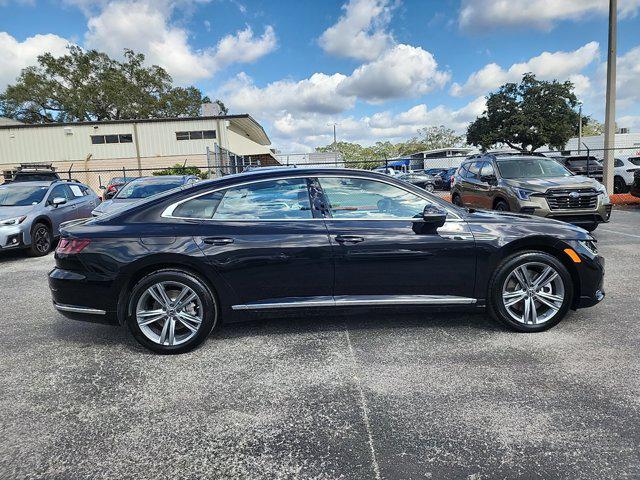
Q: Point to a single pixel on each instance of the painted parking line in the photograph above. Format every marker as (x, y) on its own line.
(619, 233)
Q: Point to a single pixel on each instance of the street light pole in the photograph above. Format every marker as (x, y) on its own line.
(610, 110)
(335, 143)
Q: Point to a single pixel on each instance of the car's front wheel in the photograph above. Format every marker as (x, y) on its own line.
(172, 311)
(41, 240)
(530, 291)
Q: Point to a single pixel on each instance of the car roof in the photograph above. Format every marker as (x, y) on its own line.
(521, 157)
(33, 183)
(160, 178)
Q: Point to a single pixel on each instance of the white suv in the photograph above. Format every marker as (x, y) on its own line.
(623, 169)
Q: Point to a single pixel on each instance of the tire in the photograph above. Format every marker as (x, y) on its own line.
(429, 187)
(191, 324)
(456, 200)
(619, 185)
(518, 316)
(591, 227)
(41, 240)
(501, 206)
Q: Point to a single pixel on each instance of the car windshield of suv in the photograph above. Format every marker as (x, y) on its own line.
(146, 188)
(531, 168)
(21, 195)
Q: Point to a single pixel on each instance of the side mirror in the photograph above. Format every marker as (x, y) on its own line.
(490, 179)
(57, 201)
(434, 216)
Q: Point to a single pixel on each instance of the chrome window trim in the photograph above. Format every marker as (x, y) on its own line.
(359, 300)
(168, 212)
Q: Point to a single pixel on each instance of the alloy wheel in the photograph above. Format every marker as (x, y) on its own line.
(42, 239)
(169, 313)
(533, 293)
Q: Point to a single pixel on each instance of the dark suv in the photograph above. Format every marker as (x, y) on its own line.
(534, 185)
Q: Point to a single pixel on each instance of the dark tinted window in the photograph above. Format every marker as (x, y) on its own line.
(195, 135)
(487, 170)
(182, 135)
(60, 191)
(111, 138)
(125, 138)
(202, 207)
(144, 188)
(474, 169)
(97, 139)
(275, 199)
(209, 134)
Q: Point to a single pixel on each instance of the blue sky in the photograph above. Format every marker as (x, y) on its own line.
(381, 69)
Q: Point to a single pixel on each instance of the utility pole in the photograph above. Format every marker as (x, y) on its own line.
(580, 129)
(335, 143)
(610, 110)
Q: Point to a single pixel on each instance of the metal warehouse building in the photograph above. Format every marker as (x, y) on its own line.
(626, 145)
(136, 144)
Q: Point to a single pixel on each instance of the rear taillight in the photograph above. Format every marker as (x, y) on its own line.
(72, 246)
(111, 188)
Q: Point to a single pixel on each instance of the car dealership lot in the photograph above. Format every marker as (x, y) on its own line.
(376, 395)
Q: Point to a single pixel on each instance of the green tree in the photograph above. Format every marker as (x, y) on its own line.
(431, 138)
(179, 169)
(89, 85)
(527, 116)
(591, 127)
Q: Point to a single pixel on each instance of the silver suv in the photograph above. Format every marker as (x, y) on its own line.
(31, 212)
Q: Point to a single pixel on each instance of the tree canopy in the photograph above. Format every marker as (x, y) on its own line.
(427, 138)
(527, 116)
(89, 86)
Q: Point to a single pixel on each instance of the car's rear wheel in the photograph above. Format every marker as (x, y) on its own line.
(456, 200)
(429, 187)
(172, 311)
(619, 185)
(41, 240)
(530, 292)
(501, 206)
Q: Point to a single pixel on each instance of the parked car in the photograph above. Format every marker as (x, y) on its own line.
(419, 180)
(31, 212)
(635, 187)
(435, 171)
(387, 171)
(589, 166)
(140, 188)
(443, 180)
(34, 172)
(175, 266)
(113, 186)
(623, 169)
(533, 185)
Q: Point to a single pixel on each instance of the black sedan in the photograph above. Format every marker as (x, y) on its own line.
(175, 266)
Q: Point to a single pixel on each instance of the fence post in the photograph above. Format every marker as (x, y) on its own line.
(208, 162)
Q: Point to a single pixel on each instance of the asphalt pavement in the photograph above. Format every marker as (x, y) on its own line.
(376, 395)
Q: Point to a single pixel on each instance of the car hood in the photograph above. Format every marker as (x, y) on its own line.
(109, 206)
(509, 226)
(12, 212)
(543, 184)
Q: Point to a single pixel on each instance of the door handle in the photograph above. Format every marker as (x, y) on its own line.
(217, 240)
(349, 239)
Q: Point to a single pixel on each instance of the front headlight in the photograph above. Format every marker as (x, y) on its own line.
(522, 193)
(13, 221)
(589, 245)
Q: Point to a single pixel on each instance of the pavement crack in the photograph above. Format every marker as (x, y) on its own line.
(364, 408)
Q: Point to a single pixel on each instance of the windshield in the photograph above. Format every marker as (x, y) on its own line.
(146, 188)
(531, 168)
(21, 195)
(635, 160)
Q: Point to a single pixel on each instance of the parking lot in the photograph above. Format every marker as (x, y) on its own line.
(375, 395)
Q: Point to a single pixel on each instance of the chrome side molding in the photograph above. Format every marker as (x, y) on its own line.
(357, 300)
(75, 309)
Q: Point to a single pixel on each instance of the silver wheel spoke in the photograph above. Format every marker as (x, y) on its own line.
(150, 316)
(545, 278)
(547, 303)
(550, 296)
(511, 298)
(172, 331)
(186, 301)
(527, 310)
(158, 294)
(181, 295)
(165, 330)
(520, 278)
(533, 312)
(189, 321)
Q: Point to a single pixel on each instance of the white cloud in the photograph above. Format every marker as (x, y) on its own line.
(360, 32)
(540, 14)
(317, 93)
(117, 26)
(15, 55)
(628, 78)
(548, 66)
(402, 71)
(304, 131)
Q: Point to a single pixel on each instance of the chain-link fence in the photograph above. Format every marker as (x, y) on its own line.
(431, 172)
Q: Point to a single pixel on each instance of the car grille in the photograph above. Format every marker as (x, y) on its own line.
(582, 198)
